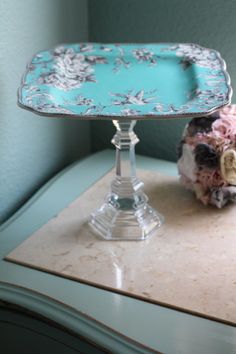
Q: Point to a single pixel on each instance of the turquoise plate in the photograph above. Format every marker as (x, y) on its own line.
(113, 81)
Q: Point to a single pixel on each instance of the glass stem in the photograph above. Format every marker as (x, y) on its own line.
(126, 186)
(125, 214)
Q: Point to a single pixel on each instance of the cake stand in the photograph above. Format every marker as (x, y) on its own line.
(125, 83)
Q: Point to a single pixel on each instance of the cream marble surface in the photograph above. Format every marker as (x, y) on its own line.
(188, 264)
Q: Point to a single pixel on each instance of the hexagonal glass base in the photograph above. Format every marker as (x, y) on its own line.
(113, 223)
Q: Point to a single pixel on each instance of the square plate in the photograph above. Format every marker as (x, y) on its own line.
(113, 81)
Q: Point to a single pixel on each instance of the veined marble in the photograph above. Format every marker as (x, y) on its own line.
(188, 264)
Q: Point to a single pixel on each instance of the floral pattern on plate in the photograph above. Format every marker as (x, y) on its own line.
(117, 80)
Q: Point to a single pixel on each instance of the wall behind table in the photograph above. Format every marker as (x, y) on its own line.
(34, 148)
(210, 23)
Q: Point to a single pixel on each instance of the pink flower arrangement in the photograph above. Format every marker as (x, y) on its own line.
(225, 127)
(207, 157)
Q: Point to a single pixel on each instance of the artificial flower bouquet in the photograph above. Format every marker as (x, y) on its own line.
(207, 157)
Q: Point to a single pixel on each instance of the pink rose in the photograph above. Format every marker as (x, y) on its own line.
(210, 178)
(228, 111)
(225, 127)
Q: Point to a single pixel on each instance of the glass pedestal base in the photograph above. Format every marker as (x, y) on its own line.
(126, 214)
(113, 223)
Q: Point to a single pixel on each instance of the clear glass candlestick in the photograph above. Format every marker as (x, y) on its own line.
(125, 214)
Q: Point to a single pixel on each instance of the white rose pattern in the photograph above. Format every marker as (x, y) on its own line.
(69, 68)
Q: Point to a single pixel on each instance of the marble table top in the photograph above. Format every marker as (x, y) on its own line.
(183, 265)
(120, 323)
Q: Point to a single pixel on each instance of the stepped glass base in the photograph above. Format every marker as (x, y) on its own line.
(125, 214)
(113, 223)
